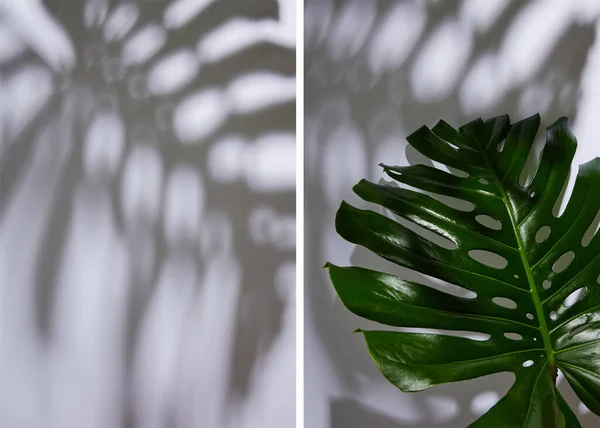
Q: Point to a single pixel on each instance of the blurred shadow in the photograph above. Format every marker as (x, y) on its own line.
(347, 92)
(112, 112)
(348, 412)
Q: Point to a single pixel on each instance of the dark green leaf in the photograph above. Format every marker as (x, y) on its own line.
(520, 299)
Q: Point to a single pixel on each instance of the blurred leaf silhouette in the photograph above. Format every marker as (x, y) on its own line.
(141, 140)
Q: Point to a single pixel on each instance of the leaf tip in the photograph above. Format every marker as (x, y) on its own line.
(356, 188)
(590, 167)
(562, 123)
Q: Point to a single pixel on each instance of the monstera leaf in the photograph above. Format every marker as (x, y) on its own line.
(539, 302)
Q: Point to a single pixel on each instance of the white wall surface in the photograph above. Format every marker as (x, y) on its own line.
(377, 71)
(147, 213)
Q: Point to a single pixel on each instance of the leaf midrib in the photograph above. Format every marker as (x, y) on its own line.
(537, 302)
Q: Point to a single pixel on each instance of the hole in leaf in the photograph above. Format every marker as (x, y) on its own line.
(553, 316)
(441, 166)
(542, 234)
(430, 281)
(473, 335)
(563, 198)
(488, 258)
(574, 297)
(488, 221)
(579, 329)
(533, 159)
(454, 146)
(483, 181)
(458, 172)
(529, 316)
(516, 276)
(591, 231)
(479, 337)
(563, 262)
(505, 302)
(528, 363)
(437, 239)
(532, 195)
(546, 284)
(483, 402)
(457, 204)
(583, 409)
(598, 280)
(513, 336)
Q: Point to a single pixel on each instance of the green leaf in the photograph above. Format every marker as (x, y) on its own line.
(520, 301)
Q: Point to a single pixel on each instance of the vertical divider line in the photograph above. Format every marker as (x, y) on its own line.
(299, 213)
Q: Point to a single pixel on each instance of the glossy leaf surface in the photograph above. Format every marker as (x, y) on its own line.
(539, 303)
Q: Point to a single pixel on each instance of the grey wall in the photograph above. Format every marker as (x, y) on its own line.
(377, 71)
(147, 213)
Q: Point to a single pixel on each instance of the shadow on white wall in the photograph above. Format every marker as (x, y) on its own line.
(138, 285)
(376, 71)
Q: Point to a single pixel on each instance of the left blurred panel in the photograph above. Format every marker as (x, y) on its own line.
(147, 213)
